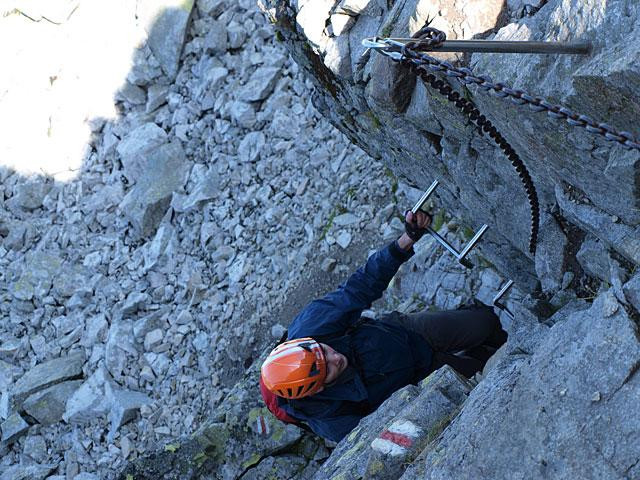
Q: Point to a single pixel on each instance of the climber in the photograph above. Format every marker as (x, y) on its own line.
(338, 367)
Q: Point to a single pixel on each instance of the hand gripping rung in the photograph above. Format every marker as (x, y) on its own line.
(460, 256)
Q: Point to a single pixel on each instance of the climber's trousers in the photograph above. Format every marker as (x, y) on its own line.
(463, 339)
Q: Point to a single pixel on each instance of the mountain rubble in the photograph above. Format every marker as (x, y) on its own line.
(139, 298)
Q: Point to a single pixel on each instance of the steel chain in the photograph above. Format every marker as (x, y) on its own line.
(426, 36)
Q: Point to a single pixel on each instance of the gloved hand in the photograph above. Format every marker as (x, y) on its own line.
(415, 225)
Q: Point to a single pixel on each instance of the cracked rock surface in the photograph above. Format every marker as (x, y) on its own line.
(140, 291)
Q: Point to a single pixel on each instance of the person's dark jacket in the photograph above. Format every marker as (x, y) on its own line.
(383, 356)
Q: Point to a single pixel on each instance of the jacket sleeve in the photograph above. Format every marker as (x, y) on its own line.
(338, 310)
(334, 428)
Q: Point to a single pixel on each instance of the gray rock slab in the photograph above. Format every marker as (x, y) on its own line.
(166, 171)
(29, 196)
(207, 189)
(123, 406)
(346, 219)
(352, 453)
(216, 41)
(8, 372)
(243, 113)
(251, 146)
(28, 472)
(94, 331)
(38, 275)
(159, 246)
(88, 401)
(554, 413)
(418, 424)
(135, 301)
(618, 236)
(211, 83)
(120, 340)
(148, 323)
(594, 258)
(35, 447)
(49, 405)
(134, 147)
(10, 347)
(167, 23)
(260, 85)
(237, 35)
(550, 255)
(156, 97)
(12, 429)
(211, 7)
(47, 374)
(132, 94)
(631, 291)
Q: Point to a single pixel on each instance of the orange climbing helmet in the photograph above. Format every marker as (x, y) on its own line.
(295, 369)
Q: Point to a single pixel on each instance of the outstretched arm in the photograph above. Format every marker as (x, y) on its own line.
(338, 310)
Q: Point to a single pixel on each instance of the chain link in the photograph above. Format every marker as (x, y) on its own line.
(428, 38)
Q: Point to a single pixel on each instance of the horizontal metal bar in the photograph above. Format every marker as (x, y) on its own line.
(493, 46)
(443, 242)
(499, 46)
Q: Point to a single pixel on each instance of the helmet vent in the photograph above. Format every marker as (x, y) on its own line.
(300, 388)
(290, 392)
(311, 385)
(314, 370)
(306, 346)
(281, 393)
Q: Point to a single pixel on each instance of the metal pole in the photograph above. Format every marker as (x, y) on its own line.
(505, 46)
(424, 197)
(473, 241)
(443, 242)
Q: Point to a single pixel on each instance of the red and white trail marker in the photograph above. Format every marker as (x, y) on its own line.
(397, 438)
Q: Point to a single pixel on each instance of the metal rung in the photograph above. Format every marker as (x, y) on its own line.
(461, 256)
(487, 46)
(496, 300)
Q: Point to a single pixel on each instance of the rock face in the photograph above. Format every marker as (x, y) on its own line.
(421, 136)
(180, 250)
(568, 410)
(388, 440)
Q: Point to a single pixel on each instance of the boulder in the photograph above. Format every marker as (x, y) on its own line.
(88, 401)
(166, 23)
(260, 85)
(28, 472)
(29, 196)
(166, 171)
(49, 405)
(12, 429)
(123, 406)
(206, 189)
(632, 291)
(120, 341)
(47, 374)
(134, 147)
